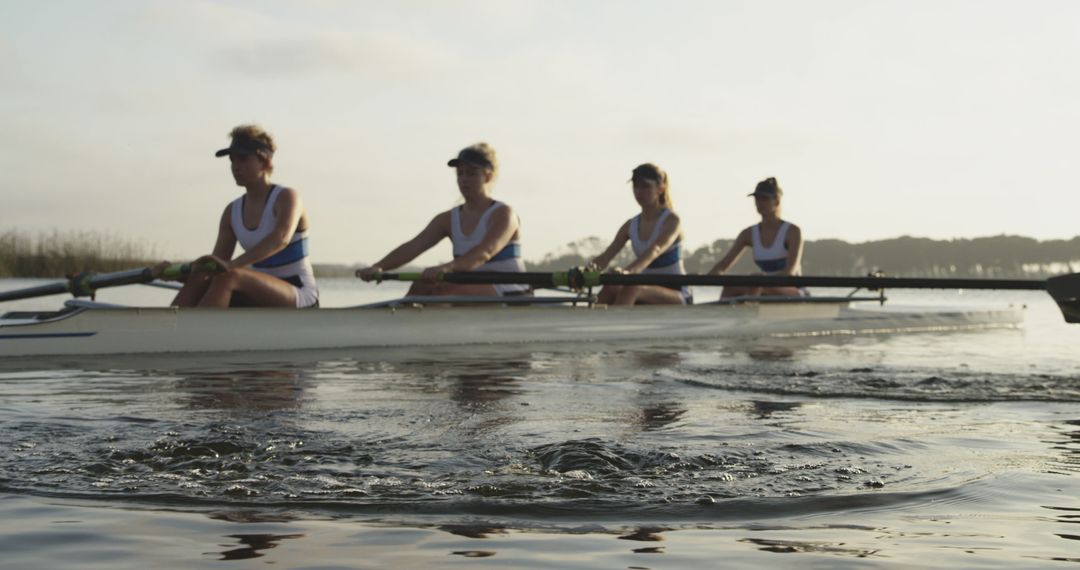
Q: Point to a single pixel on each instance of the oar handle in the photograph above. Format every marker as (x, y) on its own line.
(180, 269)
(405, 276)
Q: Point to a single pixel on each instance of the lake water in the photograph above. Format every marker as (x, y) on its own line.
(938, 450)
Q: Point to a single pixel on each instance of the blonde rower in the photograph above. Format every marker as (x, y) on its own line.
(270, 223)
(485, 233)
(777, 245)
(655, 235)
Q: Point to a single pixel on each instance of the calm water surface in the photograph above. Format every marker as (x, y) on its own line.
(931, 450)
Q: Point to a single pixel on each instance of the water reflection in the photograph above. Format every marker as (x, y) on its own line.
(1068, 460)
(657, 358)
(240, 389)
(646, 534)
(471, 382)
(800, 546)
(483, 384)
(656, 416)
(481, 389)
(245, 516)
(253, 544)
(657, 407)
(1067, 446)
(771, 354)
(764, 409)
(473, 530)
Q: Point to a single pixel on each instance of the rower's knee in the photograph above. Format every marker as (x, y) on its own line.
(627, 295)
(228, 280)
(609, 293)
(418, 289)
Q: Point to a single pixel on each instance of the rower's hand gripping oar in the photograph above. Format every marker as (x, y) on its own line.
(86, 284)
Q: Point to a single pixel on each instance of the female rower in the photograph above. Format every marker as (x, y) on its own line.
(655, 235)
(271, 225)
(782, 255)
(484, 232)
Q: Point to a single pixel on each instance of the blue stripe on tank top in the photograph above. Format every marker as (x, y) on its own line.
(669, 257)
(292, 253)
(511, 251)
(771, 265)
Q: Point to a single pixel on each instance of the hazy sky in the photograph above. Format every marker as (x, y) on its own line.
(938, 118)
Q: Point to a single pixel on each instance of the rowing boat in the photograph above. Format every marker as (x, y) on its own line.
(89, 328)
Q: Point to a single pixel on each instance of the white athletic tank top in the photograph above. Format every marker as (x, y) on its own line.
(292, 263)
(507, 260)
(772, 259)
(668, 263)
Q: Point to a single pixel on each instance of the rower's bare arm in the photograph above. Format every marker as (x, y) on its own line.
(289, 209)
(502, 225)
(621, 237)
(669, 234)
(794, 243)
(733, 254)
(226, 239)
(437, 229)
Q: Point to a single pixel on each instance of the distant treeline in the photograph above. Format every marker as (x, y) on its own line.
(998, 256)
(58, 254)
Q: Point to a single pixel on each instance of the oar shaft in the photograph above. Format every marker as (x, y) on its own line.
(557, 279)
(85, 284)
(1065, 289)
(594, 278)
(815, 281)
(121, 278)
(39, 291)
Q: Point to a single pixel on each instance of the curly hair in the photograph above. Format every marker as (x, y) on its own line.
(257, 133)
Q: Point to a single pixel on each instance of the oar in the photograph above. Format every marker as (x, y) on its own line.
(85, 284)
(1065, 289)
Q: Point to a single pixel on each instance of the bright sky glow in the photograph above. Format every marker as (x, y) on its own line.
(930, 118)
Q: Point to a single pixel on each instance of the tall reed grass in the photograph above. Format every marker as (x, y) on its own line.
(58, 254)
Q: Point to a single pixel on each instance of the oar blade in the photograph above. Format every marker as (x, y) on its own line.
(1065, 289)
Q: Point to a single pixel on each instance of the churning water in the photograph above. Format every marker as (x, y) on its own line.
(934, 449)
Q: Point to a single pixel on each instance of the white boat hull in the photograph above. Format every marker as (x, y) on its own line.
(164, 330)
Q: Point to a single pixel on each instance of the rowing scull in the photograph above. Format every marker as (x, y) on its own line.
(87, 328)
